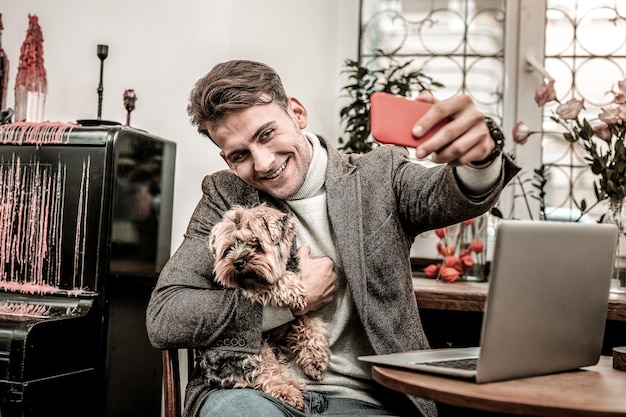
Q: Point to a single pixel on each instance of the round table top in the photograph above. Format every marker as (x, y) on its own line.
(597, 390)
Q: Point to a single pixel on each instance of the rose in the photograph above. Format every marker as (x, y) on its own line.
(521, 133)
(620, 95)
(606, 158)
(570, 109)
(545, 93)
(603, 132)
(610, 115)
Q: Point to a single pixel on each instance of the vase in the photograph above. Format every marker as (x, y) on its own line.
(462, 252)
(615, 215)
(473, 234)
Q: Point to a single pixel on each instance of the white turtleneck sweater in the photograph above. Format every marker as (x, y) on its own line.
(346, 376)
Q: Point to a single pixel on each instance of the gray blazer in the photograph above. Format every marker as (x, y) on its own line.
(377, 203)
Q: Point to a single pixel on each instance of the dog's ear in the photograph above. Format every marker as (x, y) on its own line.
(280, 227)
(273, 224)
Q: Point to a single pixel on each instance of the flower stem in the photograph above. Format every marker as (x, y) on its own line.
(521, 184)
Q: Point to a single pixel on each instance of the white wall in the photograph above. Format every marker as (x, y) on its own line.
(161, 47)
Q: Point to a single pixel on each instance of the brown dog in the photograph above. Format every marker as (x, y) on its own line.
(254, 252)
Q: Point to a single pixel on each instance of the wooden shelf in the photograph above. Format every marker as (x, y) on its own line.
(471, 296)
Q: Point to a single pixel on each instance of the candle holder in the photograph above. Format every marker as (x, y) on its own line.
(103, 52)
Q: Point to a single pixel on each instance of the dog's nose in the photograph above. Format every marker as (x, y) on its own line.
(239, 264)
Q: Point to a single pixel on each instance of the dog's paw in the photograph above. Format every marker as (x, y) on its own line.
(292, 396)
(315, 370)
(313, 359)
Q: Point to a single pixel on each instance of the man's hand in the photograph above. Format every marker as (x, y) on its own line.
(462, 140)
(318, 277)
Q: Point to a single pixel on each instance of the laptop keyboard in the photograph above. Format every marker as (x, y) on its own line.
(469, 363)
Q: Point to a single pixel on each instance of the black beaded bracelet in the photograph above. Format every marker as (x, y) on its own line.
(498, 139)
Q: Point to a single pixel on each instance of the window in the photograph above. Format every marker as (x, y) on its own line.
(496, 51)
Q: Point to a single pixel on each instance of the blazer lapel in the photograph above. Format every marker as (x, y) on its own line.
(345, 212)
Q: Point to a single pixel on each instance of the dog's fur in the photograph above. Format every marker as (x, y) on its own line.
(254, 251)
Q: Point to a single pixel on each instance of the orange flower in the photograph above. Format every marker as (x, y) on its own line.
(466, 260)
(451, 261)
(477, 246)
(449, 274)
(432, 270)
(469, 222)
(441, 233)
(447, 250)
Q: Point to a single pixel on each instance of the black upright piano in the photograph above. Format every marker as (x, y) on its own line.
(85, 227)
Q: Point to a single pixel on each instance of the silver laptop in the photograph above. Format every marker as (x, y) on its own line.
(546, 307)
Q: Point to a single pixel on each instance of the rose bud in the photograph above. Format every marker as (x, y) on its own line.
(521, 133)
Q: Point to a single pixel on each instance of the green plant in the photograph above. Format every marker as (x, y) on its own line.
(396, 78)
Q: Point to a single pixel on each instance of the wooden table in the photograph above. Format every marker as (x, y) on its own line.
(593, 391)
(470, 296)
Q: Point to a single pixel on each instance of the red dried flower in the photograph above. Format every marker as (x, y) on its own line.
(467, 261)
(449, 274)
(451, 261)
(448, 250)
(432, 270)
(477, 246)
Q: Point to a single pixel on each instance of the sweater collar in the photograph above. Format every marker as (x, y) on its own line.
(316, 174)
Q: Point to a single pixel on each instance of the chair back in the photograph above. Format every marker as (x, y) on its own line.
(172, 404)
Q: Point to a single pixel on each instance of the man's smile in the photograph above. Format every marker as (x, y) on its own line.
(279, 171)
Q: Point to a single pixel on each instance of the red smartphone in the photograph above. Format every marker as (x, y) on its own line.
(392, 119)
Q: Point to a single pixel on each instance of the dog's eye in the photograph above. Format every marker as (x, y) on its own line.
(256, 242)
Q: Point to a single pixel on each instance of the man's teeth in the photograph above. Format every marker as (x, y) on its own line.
(278, 171)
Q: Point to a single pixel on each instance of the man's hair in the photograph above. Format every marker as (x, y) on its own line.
(232, 86)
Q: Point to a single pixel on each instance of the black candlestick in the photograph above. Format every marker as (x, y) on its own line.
(103, 52)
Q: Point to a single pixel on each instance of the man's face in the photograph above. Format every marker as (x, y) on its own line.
(266, 147)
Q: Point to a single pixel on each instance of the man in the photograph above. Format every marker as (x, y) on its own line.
(357, 218)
